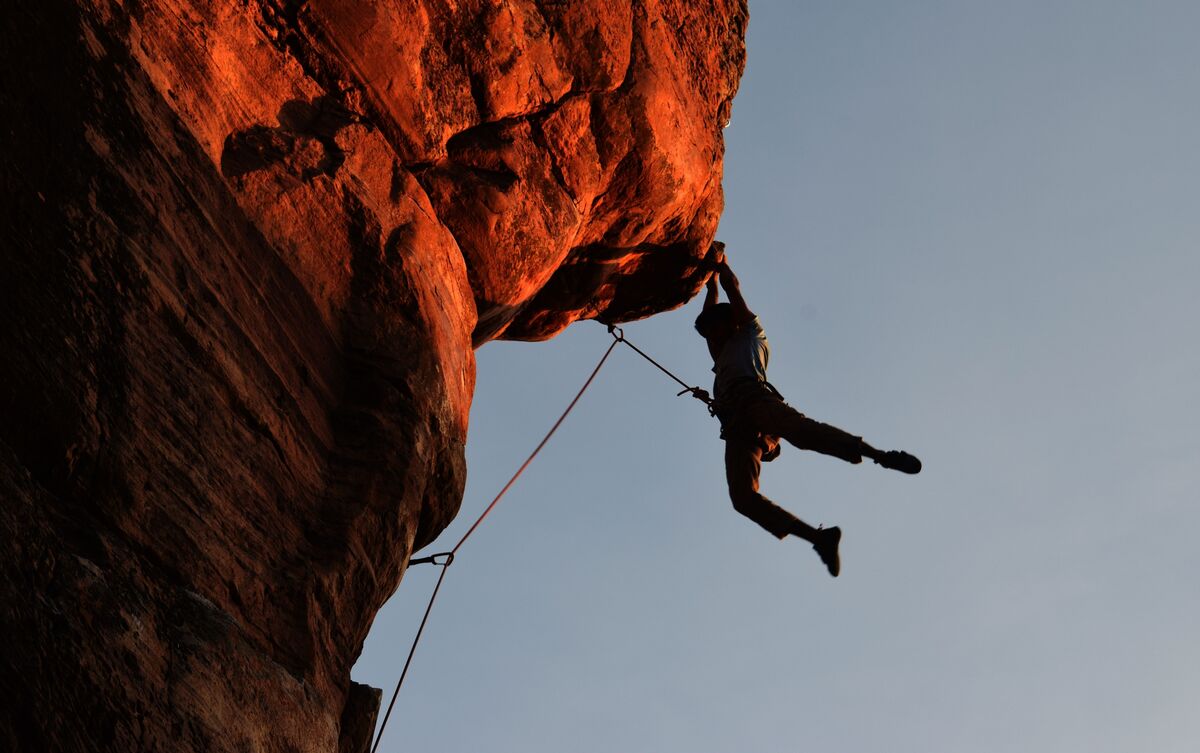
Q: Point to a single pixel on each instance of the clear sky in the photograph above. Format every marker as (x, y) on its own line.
(971, 231)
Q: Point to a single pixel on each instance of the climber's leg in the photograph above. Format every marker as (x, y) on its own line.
(743, 463)
(771, 416)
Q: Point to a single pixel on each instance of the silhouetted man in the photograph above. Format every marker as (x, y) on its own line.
(754, 416)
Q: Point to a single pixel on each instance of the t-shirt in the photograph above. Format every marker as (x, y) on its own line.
(745, 355)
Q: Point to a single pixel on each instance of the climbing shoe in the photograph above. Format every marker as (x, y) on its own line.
(898, 460)
(826, 546)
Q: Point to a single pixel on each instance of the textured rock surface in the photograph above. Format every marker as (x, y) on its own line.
(249, 248)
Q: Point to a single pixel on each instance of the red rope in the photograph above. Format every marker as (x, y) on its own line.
(471, 530)
(537, 449)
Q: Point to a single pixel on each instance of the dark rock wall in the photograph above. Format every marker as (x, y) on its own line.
(248, 250)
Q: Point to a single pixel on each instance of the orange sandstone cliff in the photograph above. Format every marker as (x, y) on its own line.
(249, 248)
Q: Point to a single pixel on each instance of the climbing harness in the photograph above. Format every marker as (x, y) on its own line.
(445, 559)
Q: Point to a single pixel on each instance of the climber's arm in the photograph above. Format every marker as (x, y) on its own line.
(741, 312)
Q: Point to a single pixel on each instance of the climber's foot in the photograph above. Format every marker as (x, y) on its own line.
(899, 460)
(825, 543)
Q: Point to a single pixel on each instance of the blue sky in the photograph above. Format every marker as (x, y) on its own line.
(970, 230)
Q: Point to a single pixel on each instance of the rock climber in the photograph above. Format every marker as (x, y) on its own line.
(754, 416)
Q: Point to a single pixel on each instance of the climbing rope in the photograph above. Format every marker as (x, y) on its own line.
(445, 559)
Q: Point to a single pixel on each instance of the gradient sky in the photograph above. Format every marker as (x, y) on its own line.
(970, 229)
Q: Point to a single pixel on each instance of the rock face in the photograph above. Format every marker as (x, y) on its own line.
(249, 248)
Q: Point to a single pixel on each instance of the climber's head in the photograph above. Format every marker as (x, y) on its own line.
(716, 322)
